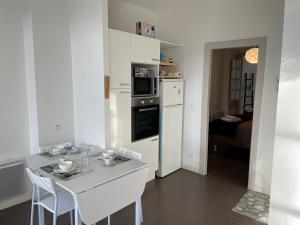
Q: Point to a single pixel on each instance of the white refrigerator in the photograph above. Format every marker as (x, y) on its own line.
(171, 120)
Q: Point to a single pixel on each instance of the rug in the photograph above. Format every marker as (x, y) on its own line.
(254, 205)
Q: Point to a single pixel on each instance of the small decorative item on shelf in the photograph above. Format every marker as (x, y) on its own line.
(162, 57)
(145, 29)
(170, 60)
(170, 74)
(167, 63)
(163, 73)
(177, 75)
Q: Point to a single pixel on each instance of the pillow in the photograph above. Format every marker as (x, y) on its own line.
(231, 119)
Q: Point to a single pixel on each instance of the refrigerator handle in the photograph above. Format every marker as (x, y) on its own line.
(171, 106)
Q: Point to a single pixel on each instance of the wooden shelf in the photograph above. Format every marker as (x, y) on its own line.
(167, 64)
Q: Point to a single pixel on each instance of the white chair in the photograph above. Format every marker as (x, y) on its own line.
(130, 154)
(57, 202)
(133, 155)
(49, 147)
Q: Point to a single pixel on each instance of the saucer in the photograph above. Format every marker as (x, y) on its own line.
(73, 151)
(59, 170)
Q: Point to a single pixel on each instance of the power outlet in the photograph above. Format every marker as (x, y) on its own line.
(58, 126)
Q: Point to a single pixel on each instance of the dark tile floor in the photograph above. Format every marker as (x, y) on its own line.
(181, 198)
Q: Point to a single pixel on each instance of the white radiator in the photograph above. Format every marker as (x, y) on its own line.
(12, 180)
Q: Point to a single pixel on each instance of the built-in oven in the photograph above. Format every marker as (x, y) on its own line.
(144, 82)
(145, 118)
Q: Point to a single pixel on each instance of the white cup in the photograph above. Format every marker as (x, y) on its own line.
(108, 160)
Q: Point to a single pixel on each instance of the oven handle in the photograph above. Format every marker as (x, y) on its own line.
(148, 109)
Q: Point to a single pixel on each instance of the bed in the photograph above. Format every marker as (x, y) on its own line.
(231, 134)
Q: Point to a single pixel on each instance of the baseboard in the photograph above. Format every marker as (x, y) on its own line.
(190, 168)
(259, 189)
(15, 200)
(151, 176)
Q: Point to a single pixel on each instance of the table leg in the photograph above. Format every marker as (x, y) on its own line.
(108, 220)
(77, 215)
(141, 210)
(137, 213)
(41, 215)
(41, 210)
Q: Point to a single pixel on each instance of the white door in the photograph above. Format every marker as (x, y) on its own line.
(120, 64)
(149, 149)
(171, 140)
(145, 50)
(171, 92)
(120, 118)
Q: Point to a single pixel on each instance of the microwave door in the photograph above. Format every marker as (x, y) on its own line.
(142, 86)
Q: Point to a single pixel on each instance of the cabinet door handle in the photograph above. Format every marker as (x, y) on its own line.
(124, 84)
(125, 92)
(156, 139)
(148, 109)
(157, 60)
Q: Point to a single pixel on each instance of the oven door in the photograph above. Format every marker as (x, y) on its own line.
(145, 122)
(143, 86)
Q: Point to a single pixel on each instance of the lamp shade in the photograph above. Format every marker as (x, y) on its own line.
(251, 55)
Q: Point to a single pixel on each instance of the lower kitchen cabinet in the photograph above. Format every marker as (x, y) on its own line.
(149, 149)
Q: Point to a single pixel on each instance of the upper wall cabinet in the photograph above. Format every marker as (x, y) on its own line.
(145, 50)
(120, 63)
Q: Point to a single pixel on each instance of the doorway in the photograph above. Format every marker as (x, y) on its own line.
(209, 48)
(231, 104)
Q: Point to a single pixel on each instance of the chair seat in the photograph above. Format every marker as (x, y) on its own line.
(65, 202)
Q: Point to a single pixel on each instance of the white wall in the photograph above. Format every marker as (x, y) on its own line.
(285, 195)
(30, 77)
(53, 70)
(87, 31)
(14, 133)
(36, 77)
(211, 21)
(193, 23)
(124, 16)
(14, 120)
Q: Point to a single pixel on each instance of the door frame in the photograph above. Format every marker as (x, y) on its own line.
(209, 47)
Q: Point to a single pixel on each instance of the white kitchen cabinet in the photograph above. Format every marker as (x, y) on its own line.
(171, 139)
(120, 59)
(145, 50)
(149, 149)
(120, 118)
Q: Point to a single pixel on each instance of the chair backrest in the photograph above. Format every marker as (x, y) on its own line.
(47, 148)
(43, 182)
(130, 153)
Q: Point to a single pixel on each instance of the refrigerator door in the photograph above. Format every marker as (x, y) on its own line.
(170, 140)
(171, 92)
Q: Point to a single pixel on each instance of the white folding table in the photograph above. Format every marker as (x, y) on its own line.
(103, 191)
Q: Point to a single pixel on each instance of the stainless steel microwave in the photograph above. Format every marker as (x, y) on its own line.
(144, 83)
